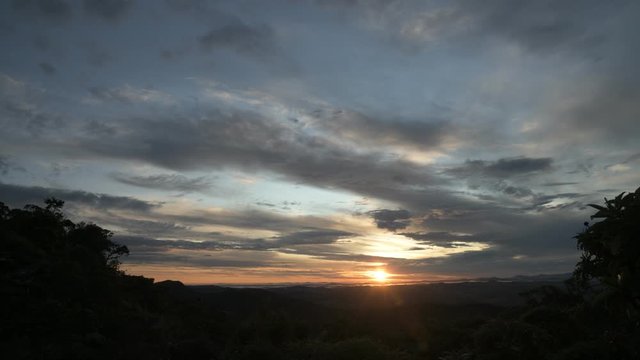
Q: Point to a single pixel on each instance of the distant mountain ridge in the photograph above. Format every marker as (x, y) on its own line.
(488, 291)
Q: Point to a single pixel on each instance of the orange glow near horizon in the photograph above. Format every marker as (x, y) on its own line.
(272, 276)
(379, 275)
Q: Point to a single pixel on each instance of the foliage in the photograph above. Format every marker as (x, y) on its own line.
(57, 277)
(611, 251)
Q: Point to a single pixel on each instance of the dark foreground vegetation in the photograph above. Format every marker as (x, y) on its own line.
(64, 297)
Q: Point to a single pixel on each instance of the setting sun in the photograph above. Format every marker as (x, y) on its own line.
(379, 275)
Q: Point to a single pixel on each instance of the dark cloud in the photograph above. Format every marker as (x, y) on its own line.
(147, 227)
(543, 25)
(34, 121)
(560, 183)
(96, 128)
(249, 219)
(257, 41)
(514, 191)
(607, 113)
(442, 238)
(111, 94)
(17, 196)
(170, 182)
(391, 219)
(42, 42)
(97, 56)
(47, 68)
(628, 160)
(55, 9)
(262, 203)
(513, 230)
(22, 116)
(520, 165)
(172, 54)
(107, 9)
(361, 129)
(147, 244)
(312, 237)
(284, 205)
(5, 166)
(103, 94)
(186, 5)
(562, 201)
(632, 158)
(502, 168)
(193, 254)
(222, 242)
(490, 262)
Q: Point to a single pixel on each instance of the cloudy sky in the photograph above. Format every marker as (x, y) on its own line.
(317, 141)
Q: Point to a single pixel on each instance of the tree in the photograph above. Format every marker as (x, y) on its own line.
(48, 233)
(60, 283)
(609, 274)
(611, 251)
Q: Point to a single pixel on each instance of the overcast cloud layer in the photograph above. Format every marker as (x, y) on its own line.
(280, 141)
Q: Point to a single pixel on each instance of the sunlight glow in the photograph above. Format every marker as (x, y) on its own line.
(379, 275)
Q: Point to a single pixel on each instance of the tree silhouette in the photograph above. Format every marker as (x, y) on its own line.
(59, 280)
(611, 251)
(608, 274)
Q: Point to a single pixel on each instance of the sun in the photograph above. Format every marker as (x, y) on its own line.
(379, 275)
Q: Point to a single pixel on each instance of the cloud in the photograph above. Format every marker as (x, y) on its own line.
(391, 219)
(147, 244)
(53, 9)
(183, 253)
(540, 27)
(158, 228)
(513, 230)
(129, 95)
(17, 196)
(442, 238)
(220, 242)
(256, 41)
(249, 219)
(562, 183)
(311, 237)
(603, 110)
(177, 230)
(502, 168)
(262, 203)
(21, 110)
(358, 128)
(47, 68)
(186, 5)
(250, 141)
(5, 165)
(107, 9)
(490, 262)
(556, 201)
(171, 182)
(97, 56)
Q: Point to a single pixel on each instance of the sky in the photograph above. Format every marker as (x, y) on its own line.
(255, 142)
